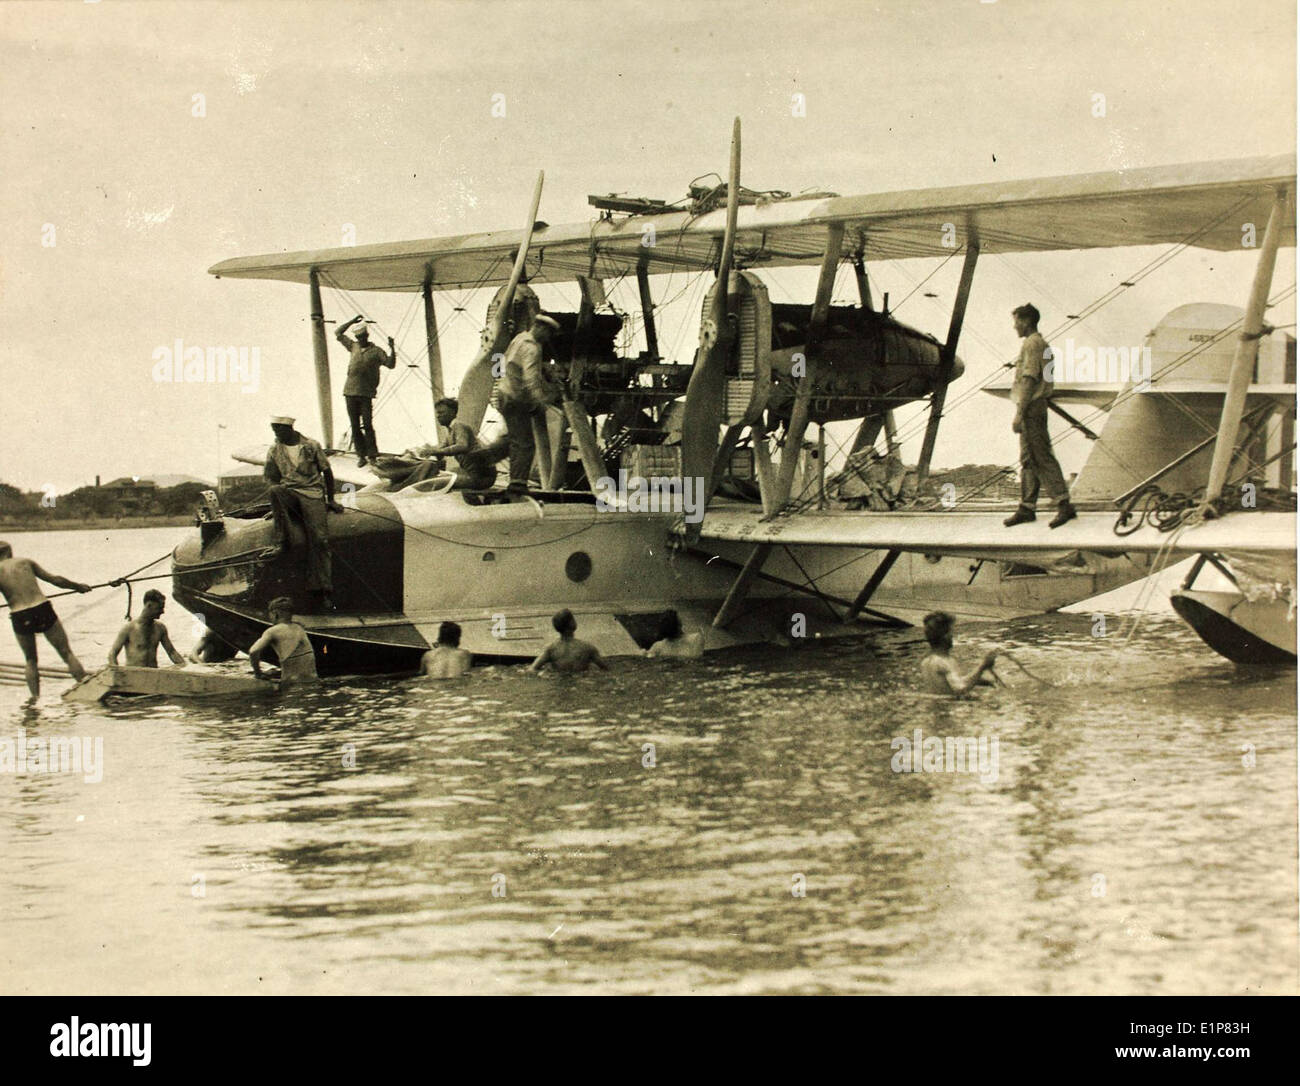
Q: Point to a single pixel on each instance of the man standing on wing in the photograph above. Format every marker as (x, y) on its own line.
(362, 385)
(1030, 393)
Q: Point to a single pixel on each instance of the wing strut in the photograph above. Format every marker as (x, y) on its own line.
(780, 493)
(1247, 353)
(869, 589)
(647, 312)
(948, 354)
(593, 466)
(803, 396)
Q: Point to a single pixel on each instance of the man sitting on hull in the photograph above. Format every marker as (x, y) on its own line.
(302, 490)
(474, 466)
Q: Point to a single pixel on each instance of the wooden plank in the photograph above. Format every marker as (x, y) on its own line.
(166, 682)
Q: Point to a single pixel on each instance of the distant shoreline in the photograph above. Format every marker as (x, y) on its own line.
(77, 524)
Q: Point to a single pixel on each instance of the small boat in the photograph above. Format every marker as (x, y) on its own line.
(164, 682)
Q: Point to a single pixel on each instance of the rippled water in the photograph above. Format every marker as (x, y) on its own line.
(1124, 845)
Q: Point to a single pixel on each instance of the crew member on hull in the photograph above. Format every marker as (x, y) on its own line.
(364, 360)
(31, 613)
(1030, 392)
(302, 490)
(475, 463)
(524, 389)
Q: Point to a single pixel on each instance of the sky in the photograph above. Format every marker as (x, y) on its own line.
(143, 142)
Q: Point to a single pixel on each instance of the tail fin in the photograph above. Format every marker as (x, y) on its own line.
(1175, 401)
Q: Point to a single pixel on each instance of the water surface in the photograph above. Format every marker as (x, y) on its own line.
(506, 833)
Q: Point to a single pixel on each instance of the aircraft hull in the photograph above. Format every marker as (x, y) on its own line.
(405, 562)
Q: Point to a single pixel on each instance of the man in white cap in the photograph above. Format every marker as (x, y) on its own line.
(524, 389)
(362, 385)
(302, 489)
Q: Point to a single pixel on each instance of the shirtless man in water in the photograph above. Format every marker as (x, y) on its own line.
(289, 640)
(939, 671)
(142, 637)
(446, 660)
(31, 613)
(568, 654)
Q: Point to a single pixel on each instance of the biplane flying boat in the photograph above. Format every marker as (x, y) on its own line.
(767, 562)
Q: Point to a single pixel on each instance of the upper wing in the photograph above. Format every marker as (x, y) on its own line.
(983, 534)
(1204, 204)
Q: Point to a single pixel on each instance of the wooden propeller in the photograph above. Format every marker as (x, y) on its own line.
(702, 413)
(476, 385)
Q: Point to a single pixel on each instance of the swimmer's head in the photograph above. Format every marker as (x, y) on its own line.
(280, 608)
(6, 551)
(156, 600)
(938, 629)
(449, 634)
(564, 622)
(670, 626)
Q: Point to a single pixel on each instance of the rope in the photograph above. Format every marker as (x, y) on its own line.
(130, 578)
(475, 546)
(1002, 654)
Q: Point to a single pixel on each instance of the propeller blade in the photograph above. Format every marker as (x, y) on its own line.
(476, 385)
(702, 413)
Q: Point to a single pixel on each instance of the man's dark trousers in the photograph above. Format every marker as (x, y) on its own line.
(1038, 465)
(361, 419)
